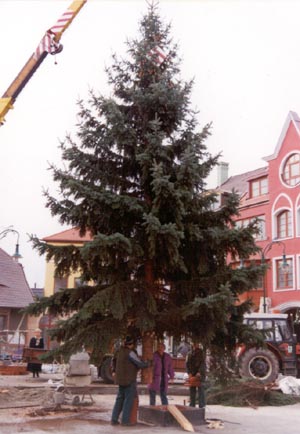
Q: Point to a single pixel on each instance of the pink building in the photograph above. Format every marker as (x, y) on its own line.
(272, 194)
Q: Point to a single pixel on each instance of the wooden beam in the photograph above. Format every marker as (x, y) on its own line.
(181, 419)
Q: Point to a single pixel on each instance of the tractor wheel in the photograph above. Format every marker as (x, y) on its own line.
(259, 364)
(105, 371)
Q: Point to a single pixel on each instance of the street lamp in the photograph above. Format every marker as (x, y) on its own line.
(16, 256)
(285, 265)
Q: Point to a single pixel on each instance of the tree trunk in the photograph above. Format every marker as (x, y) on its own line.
(147, 354)
(148, 338)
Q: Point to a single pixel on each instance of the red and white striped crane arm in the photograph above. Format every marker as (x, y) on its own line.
(48, 44)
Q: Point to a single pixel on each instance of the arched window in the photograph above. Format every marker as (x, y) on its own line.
(284, 224)
(291, 170)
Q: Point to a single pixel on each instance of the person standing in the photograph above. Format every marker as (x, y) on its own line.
(163, 371)
(196, 369)
(36, 342)
(125, 367)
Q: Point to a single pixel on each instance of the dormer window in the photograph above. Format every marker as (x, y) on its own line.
(258, 187)
(291, 170)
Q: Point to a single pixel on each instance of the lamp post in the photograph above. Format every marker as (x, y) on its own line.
(285, 265)
(16, 256)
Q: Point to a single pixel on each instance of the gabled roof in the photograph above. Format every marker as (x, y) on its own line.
(14, 288)
(239, 183)
(291, 117)
(68, 236)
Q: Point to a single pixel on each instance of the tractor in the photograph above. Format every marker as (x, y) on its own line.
(281, 354)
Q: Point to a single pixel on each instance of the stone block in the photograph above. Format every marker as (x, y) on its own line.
(77, 380)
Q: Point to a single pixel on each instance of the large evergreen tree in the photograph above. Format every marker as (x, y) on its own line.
(134, 176)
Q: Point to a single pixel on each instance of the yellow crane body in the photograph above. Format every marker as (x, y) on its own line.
(48, 44)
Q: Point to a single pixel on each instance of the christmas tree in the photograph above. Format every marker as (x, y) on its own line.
(135, 178)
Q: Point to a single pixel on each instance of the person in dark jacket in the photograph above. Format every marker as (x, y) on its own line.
(126, 365)
(36, 342)
(163, 371)
(196, 369)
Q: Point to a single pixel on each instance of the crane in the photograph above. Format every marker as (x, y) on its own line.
(48, 44)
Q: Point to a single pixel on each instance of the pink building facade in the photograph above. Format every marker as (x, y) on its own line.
(272, 194)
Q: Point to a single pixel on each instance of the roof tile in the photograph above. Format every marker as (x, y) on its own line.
(70, 235)
(14, 288)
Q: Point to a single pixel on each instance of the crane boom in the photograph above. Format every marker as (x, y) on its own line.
(48, 44)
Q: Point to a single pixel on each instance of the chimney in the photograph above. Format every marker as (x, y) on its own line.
(222, 172)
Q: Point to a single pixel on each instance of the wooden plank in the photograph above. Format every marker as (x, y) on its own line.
(13, 370)
(181, 419)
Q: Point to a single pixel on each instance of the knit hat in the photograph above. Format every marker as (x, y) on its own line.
(128, 340)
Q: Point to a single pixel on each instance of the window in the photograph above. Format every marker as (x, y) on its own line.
(262, 228)
(259, 187)
(3, 322)
(261, 224)
(221, 200)
(291, 170)
(79, 282)
(283, 330)
(259, 285)
(60, 282)
(298, 222)
(264, 325)
(284, 224)
(216, 205)
(277, 330)
(242, 223)
(284, 277)
(3, 326)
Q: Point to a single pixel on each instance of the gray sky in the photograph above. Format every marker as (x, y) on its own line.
(243, 54)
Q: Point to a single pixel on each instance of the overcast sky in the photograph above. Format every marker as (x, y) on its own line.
(243, 54)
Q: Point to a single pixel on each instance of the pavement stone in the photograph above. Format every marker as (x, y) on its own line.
(96, 419)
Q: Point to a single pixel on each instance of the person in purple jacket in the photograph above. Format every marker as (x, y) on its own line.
(163, 371)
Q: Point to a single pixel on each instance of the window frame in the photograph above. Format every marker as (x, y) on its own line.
(292, 180)
(287, 224)
(243, 223)
(298, 271)
(3, 326)
(57, 287)
(288, 278)
(260, 189)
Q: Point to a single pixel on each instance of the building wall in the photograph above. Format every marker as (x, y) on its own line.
(283, 197)
(50, 275)
(280, 197)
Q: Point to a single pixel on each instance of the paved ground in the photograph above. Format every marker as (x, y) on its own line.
(95, 419)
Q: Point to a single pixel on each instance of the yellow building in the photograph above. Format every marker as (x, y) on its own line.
(54, 283)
